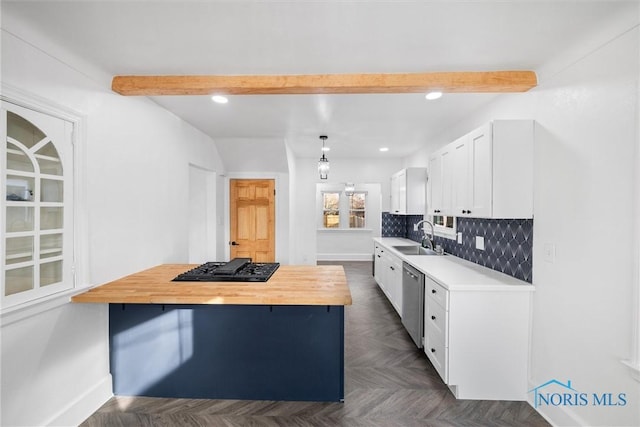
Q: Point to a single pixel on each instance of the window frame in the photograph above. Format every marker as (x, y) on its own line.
(350, 209)
(446, 232)
(344, 209)
(324, 210)
(77, 173)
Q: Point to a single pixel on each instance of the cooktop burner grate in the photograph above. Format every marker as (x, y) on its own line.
(236, 270)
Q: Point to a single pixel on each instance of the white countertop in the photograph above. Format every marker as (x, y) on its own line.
(456, 274)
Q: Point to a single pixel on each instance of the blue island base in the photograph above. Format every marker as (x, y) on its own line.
(248, 352)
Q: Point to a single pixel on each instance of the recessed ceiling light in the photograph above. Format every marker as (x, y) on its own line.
(433, 95)
(326, 149)
(219, 99)
(383, 149)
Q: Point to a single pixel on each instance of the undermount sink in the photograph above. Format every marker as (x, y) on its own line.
(414, 250)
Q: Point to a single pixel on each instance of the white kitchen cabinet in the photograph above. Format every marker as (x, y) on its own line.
(436, 329)
(477, 340)
(439, 183)
(380, 267)
(394, 282)
(491, 172)
(408, 191)
(472, 173)
(388, 275)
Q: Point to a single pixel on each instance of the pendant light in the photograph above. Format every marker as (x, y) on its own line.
(323, 163)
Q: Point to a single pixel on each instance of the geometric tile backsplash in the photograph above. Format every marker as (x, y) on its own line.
(508, 243)
(393, 225)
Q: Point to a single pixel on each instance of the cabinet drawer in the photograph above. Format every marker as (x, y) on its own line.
(437, 293)
(436, 321)
(438, 354)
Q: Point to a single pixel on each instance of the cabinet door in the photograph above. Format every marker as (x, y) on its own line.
(379, 270)
(446, 164)
(461, 176)
(479, 194)
(395, 283)
(399, 192)
(434, 185)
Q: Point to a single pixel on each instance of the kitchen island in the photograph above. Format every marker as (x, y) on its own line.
(277, 340)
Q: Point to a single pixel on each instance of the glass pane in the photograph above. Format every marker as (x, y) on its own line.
(17, 159)
(50, 273)
(331, 201)
(49, 160)
(448, 222)
(51, 218)
(357, 201)
(49, 150)
(50, 245)
(51, 190)
(22, 130)
(331, 219)
(444, 221)
(19, 249)
(356, 219)
(19, 219)
(18, 280)
(20, 188)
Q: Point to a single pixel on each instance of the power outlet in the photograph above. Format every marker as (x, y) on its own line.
(459, 238)
(480, 243)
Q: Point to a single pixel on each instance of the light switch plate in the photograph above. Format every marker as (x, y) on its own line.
(549, 252)
(460, 238)
(480, 243)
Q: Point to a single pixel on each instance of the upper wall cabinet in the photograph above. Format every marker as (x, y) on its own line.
(487, 173)
(440, 181)
(408, 191)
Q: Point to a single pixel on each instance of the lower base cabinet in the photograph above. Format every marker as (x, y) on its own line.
(388, 275)
(478, 340)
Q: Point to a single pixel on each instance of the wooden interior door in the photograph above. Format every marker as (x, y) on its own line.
(252, 205)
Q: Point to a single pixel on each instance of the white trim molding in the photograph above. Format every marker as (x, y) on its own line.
(28, 100)
(634, 363)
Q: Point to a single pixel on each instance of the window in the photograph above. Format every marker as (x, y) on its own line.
(37, 229)
(357, 209)
(342, 210)
(444, 226)
(331, 210)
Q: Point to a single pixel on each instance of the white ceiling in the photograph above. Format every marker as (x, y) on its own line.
(313, 37)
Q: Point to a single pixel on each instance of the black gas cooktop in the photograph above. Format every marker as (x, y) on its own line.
(236, 270)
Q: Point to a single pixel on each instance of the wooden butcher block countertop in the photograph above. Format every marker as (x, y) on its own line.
(289, 285)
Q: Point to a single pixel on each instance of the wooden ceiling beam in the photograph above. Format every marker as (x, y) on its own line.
(452, 82)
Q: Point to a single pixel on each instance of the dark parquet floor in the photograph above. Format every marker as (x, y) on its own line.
(388, 382)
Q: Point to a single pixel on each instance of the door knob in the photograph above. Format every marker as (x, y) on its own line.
(234, 243)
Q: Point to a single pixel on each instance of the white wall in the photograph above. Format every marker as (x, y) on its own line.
(303, 195)
(586, 144)
(55, 364)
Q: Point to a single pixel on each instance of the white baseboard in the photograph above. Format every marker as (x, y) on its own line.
(85, 405)
(344, 257)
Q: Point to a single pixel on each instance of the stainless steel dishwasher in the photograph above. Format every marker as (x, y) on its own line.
(413, 303)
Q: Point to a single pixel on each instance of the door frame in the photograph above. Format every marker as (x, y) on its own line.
(210, 231)
(281, 211)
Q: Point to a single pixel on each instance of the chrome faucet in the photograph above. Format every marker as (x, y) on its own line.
(426, 238)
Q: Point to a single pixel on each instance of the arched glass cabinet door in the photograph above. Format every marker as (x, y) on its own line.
(37, 231)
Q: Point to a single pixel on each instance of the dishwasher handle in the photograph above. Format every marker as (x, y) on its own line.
(410, 274)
